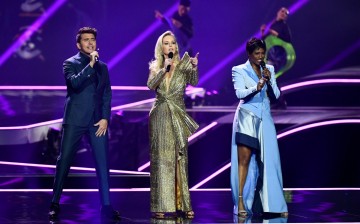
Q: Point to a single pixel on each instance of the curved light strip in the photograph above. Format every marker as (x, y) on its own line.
(317, 82)
(318, 124)
(211, 176)
(190, 90)
(148, 189)
(52, 122)
(200, 132)
(286, 133)
(64, 88)
(77, 190)
(292, 189)
(138, 103)
(284, 88)
(72, 168)
(195, 135)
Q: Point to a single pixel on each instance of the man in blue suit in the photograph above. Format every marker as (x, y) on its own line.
(87, 112)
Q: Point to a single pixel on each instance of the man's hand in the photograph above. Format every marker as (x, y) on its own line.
(103, 124)
(93, 57)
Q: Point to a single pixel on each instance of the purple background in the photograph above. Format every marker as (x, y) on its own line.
(321, 29)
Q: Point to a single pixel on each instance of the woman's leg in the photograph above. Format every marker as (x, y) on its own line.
(244, 155)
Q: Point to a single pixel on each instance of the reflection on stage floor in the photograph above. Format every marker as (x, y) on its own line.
(210, 206)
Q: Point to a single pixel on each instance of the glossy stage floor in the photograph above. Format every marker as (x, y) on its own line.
(210, 206)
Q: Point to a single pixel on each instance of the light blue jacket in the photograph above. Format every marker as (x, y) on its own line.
(245, 82)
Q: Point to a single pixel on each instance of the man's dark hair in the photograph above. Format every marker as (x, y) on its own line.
(255, 43)
(85, 30)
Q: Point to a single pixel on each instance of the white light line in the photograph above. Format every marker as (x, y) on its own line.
(211, 176)
(197, 190)
(72, 168)
(317, 82)
(202, 131)
(64, 88)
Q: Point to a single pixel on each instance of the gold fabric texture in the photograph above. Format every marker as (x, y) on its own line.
(169, 129)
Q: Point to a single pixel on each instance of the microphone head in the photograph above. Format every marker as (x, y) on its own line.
(262, 64)
(171, 54)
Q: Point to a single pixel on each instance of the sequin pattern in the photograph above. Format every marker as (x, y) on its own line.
(169, 129)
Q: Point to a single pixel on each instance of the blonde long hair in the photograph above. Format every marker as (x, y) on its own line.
(159, 58)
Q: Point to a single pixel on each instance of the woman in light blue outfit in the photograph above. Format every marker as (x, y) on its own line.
(256, 178)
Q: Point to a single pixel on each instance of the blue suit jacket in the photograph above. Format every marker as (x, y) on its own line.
(88, 91)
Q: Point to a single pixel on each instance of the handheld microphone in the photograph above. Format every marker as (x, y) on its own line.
(96, 57)
(262, 64)
(171, 55)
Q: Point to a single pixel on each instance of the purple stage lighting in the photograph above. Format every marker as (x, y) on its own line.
(118, 57)
(29, 32)
(317, 82)
(241, 48)
(341, 56)
(64, 88)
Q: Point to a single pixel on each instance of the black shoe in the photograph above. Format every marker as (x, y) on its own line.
(54, 211)
(107, 212)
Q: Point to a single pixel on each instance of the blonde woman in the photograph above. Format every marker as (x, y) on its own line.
(169, 129)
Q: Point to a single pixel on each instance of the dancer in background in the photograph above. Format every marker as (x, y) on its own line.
(280, 53)
(181, 25)
(280, 29)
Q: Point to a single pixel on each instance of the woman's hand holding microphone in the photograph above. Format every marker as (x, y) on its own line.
(265, 76)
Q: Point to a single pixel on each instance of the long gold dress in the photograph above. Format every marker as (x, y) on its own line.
(169, 129)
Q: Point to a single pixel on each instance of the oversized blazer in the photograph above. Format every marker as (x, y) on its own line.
(245, 83)
(88, 91)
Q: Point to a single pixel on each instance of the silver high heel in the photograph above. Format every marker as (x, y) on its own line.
(242, 213)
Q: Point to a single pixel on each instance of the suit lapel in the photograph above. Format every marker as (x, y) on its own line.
(250, 71)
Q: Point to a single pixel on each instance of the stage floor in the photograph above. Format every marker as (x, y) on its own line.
(212, 206)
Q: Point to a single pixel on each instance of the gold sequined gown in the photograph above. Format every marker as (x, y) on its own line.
(169, 129)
